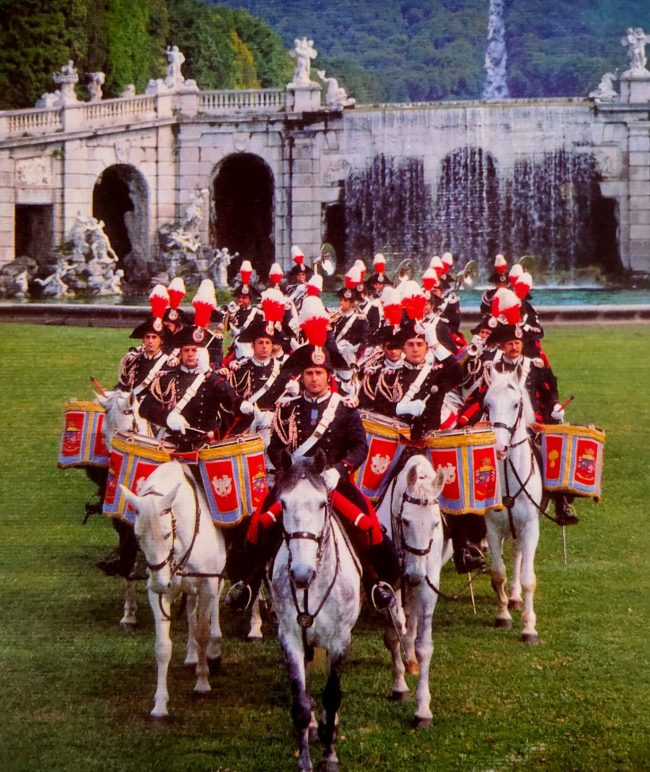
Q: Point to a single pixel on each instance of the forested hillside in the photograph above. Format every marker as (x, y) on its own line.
(412, 50)
(224, 48)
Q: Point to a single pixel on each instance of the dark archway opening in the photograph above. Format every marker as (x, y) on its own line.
(34, 232)
(334, 230)
(120, 199)
(243, 211)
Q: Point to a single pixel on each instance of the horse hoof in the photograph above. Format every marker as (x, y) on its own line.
(161, 719)
(189, 664)
(326, 765)
(532, 639)
(313, 735)
(254, 639)
(399, 696)
(200, 695)
(421, 723)
(515, 605)
(128, 627)
(214, 665)
(412, 668)
(504, 624)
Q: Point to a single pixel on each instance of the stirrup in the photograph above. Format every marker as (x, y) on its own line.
(567, 516)
(235, 596)
(381, 605)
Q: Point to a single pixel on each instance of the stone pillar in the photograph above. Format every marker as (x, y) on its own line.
(639, 195)
(635, 87)
(303, 98)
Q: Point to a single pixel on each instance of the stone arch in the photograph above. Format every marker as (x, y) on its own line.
(121, 200)
(242, 211)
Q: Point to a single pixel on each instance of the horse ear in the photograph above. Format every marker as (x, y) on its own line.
(286, 461)
(439, 481)
(132, 498)
(320, 461)
(168, 499)
(412, 477)
(520, 376)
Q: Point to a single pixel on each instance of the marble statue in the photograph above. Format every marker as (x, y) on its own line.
(218, 266)
(635, 39)
(336, 96)
(303, 52)
(54, 285)
(49, 100)
(128, 92)
(95, 83)
(193, 214)
(175, 59)
(605, 91)
(67, 78)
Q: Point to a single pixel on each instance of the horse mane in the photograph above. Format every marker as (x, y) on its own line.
(420, 488)
(306, 468)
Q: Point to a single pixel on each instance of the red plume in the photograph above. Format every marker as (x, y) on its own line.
(273, 305)
(205, 301)
(314, 320)
(159, 300)
(176, 291)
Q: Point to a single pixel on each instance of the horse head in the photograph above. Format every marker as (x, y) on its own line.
(121, 414)
(154, 531)
(416, 515)
(509, 408)
(306, 514)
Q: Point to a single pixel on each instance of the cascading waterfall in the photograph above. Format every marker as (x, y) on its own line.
(496, 84)
(543, 208)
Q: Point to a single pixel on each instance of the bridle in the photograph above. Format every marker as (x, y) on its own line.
(304, 617)
(513, 427)
(398, 527)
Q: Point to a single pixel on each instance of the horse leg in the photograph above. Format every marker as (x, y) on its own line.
(161, 607)
(529, 539)
(515, 603)
(214, 644)
(392, 643)
(255, 631)
(129, 619)
(300, 702)
(424, 651)
(192, 654)
(331, 702)
(203, 608)
(498, 573)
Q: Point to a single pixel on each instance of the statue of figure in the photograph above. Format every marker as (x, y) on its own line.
(175, 59)
(49, 100)
(218, 267)
(193, 215)
(67, 78)
(303, 51)
(635, 39)
(100, 246)
(605, 91)
(336, 95)
(128, 92)
(54, 286)
(95, 83)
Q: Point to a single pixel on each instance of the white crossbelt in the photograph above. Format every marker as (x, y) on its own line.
(416, 385)
(266, 386)
(325, 421)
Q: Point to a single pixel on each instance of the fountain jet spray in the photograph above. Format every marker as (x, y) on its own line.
(496, 83)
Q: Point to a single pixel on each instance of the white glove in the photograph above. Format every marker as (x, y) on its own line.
(414, 407)
(263, 419)
(203, 360)
(177, 422)
(558, 412)
(430, 336)
(331, 477)
(247, 408)
(292, 389)
(347, 351)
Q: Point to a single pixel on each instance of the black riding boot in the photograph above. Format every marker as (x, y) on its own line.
(466, 533)
(247, 570)
(381, 572)
(565, 514)
(121, 562)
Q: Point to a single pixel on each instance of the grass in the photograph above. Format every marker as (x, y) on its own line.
(75, 692)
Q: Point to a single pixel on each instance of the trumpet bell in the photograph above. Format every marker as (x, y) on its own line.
(469, 273)
(405, 271)
(326, 260)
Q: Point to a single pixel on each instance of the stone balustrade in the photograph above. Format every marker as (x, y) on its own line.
(265, 100)
(120, 112)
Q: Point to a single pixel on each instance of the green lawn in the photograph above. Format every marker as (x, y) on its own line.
(75, 691)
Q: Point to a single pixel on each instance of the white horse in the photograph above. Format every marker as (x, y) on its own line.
(315, 585)
(511, 412)
(411, 514)
(184, 552)
(121, 415)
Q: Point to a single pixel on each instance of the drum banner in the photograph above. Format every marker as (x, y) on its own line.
(82, 441)
(234, 479)
(472, 480)
(573, 459)
(133, 458)
(373, 475)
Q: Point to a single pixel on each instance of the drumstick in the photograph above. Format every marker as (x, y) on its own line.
(564, 404)
(97, 385)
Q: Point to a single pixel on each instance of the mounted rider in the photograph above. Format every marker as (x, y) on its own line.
(319, 419)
